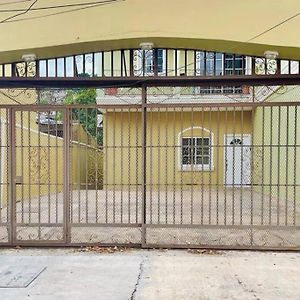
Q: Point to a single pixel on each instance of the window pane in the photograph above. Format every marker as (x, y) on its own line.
(202, 160)
(199, 151)
(210, 67)
(160, 58)
(219, 56)
(186, 141)
(219, 67)
(186, 160)
(202, 141)
(150, 60)
(42, 68)
(205, 160)
(148, 56)
(200, 63)
(199, 141)
(186, 151)
(238, 63)
(205, 151)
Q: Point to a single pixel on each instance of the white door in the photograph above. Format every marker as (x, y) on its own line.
(237, 154)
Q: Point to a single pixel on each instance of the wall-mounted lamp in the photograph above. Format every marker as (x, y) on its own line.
(146, 46)
(271, 54)
(29, 57)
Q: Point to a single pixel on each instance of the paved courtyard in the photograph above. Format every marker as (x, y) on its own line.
(146, 275)
(207, 217)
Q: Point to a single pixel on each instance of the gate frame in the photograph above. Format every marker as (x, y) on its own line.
(33, 82)
(13, 241)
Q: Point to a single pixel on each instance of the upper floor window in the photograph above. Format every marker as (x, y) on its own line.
(149, 62)
(152, 62)
(214, 64)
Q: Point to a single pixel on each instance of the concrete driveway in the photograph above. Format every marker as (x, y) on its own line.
(222, 211)
(148, 274)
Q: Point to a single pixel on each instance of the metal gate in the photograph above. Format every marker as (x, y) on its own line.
(39, 206)
(151, 171)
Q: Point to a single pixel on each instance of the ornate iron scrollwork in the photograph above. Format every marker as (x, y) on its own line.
(141, 58)
(26, 69)
(265, 66)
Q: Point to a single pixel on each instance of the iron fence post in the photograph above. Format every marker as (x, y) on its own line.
(144, 163)
(11, 171)
(66, 203)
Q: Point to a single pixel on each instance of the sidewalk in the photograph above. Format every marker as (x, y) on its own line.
(148, 274)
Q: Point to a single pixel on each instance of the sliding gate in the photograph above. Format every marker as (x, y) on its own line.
(144, 169)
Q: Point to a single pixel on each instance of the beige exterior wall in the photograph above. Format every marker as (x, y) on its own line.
(124, 165)
(278, 165)
(86, 161)
(167, 23)
(39, 168)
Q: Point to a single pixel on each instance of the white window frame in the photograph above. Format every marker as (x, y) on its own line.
(196, 167)
(200, 90)
(140, 62)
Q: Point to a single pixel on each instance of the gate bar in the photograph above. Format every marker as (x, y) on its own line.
(12, 171)
(144, 163)
(66, 147)
(43, 107)
(227, 80)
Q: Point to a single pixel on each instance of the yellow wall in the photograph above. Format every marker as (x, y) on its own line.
(124, 165)
(278, 126)
(86, 161)
(167, 23)
(42, 163)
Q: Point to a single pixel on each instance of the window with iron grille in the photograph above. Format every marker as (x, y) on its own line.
(196, 153)
(217, 64)
(150, 61)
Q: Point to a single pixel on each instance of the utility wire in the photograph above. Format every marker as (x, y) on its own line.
(249, 40)
(102, 3)
(19, 14)
(145, 79)
(56, 6)
(275, 26)
(14, 2)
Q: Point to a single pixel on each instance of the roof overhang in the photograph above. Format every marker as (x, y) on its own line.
(229, 26)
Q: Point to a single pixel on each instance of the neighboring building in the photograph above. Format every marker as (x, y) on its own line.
(199, 150)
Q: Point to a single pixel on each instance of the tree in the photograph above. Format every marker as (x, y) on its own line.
(87, 117)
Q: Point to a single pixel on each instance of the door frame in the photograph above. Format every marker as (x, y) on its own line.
(233, 135)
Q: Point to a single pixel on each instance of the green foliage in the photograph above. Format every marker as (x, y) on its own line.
(87, 117)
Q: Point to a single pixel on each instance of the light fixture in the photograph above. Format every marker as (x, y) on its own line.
(29, 57)
(146, 46)
(271, 54)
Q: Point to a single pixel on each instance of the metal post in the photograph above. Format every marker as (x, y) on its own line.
(131, 62)
(66, 130)
(12, 170)
(144, 163)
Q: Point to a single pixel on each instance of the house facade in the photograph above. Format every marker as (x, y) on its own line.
(173, 128)
(193, 145)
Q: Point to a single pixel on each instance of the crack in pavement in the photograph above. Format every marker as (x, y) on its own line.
(244, 286)
(141, 270)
